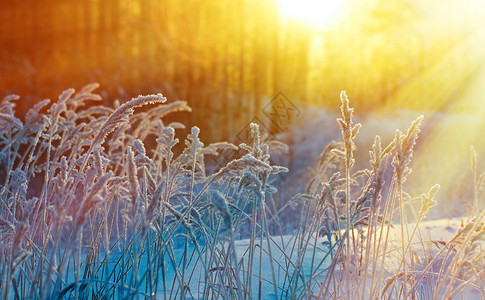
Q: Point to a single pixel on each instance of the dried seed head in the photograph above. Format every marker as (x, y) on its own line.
(139, 147)
(427, 200)
(194, 143)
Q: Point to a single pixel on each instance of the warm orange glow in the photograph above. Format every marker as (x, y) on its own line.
(315, 12)
(122, 182)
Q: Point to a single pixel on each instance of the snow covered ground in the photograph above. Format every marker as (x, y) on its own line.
(283, 251)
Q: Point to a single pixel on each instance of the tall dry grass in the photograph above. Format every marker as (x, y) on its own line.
(89, 211)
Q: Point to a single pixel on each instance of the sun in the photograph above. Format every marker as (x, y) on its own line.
(317, 13)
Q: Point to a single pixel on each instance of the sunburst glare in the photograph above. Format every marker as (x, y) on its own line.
(317, 13)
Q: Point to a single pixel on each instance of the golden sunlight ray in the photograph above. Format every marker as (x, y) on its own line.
(314, 12)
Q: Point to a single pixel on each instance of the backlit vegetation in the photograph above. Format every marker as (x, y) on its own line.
(89, 210)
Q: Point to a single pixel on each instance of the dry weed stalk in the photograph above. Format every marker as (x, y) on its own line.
(112, 218)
